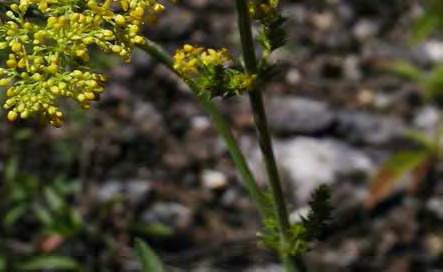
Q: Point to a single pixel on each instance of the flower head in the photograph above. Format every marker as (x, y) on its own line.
(47, 43)
(211, 71)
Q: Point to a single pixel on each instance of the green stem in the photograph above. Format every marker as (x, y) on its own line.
(236, 154)
(256, 100)
(221, 126)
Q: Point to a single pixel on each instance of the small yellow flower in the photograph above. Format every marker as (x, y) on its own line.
(211, 70)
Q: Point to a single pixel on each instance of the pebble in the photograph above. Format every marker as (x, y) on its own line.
(365, 29)
(426, 119)
(309, 162)
(131, 190)
(291, 115)
(213, 179)
(368, 128)
(171, 214)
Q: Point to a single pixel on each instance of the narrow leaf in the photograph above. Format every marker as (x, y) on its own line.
(406, 70)
(49, 262)
(148, 259)
(393, 170)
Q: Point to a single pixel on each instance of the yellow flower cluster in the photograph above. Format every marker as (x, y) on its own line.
(211, 71)
(47, 47)
(189, 60)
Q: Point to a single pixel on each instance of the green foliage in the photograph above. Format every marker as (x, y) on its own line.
(49, 262)
(406, 70)
(394, 169)
(431, 81)
(26, 195)
(414, 161)
(154, 229)
(319, 218)
(430, 21)
(301, 235)
(212, 72)
(272, 33)
(148, 259)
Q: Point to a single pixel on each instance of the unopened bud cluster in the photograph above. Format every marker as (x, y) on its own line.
(211, 71)
(47, 46)
(263, 10)
(267, 14)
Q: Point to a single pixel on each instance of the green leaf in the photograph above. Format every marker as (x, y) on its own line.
(393, 170)
(149, 260)
(54, 200)
(49, 262)
(317, 222)
(431, 21)
(11, 169)
(43, 215)
(406, 70)
(422, 139)
(433, 84)
(23, 134)
(14, 214)
(423, 27)
(154, 230)
(2, 263)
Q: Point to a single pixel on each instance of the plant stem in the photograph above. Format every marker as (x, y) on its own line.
(236, 154)
(221, 126)
(256, 100)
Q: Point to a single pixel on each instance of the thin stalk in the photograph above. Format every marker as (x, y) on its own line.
(221, 126)
(236, 154)
(256, 100)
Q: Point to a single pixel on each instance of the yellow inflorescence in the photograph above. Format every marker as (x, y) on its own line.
(189, 60)
(46, 58)
(211, 71)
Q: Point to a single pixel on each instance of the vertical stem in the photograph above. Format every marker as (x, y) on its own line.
(256, 99)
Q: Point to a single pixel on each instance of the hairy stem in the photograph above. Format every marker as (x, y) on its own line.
(221, 126)
(256, 100)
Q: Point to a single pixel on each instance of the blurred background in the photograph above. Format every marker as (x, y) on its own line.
(355, 106)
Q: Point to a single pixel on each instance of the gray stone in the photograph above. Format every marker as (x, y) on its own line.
(430, 51)
(289, 115)
(131, 190)
(213, 179)
(364, 127)
(426, 119)
(308, 163)
(365, 29)
(435, 205)
(147, 118)
(171, 214)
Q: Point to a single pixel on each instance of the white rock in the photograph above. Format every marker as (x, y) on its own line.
(433, 50)
(213, 179)
(309, 162)
(296, 216)
(426, 119)
(365, 29)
